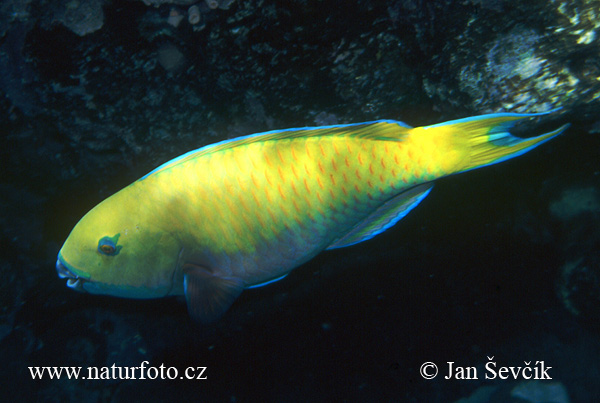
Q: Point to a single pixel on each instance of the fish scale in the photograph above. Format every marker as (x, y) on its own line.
(310, 204)
(245, 212)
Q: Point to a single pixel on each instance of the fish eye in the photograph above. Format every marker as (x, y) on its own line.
(107, 246)
(107, 249)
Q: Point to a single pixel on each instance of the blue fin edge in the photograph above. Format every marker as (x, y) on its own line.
(209, 146)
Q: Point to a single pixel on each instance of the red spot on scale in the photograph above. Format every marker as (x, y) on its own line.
(296, 205)
(321, 167)
(281, 192)
(370, 184)
(319, 182)
(357, 174)
(322, 151)
(260, 220)
(306, 186)
(332, 194)
(285, 212)
(294, 171)
(344, 191)
(255, 198)
(246, 221)
(371, 169)
(346, 161)
(332, 179)
(308, 203)
(333, 165)
(383, 163)
(244, 205)
(356, 188)
(268, 178)
(294, 188)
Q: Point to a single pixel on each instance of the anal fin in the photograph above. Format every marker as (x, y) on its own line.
(208, 296)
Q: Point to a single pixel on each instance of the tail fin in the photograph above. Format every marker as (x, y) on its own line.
(488, 141)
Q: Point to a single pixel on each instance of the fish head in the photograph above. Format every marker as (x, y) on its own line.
(116, 249)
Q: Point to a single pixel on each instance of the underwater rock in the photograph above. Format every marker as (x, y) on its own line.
(541, 392)
(496, 64)
(482, 394)
(534, 391)
(578, 284)
(80, 16)
(13, 11)
(170, 57)
(211, 4)
(515, 77)
(175, 17)
(193, 15)
(576, 201)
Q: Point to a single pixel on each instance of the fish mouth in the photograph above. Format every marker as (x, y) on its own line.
(73, 281)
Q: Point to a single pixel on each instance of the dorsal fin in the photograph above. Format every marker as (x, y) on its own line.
(376, 130)
(384, 217)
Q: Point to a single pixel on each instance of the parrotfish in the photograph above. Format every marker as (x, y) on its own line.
(244, 212)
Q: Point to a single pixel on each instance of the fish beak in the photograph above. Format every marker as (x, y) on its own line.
(73, 281)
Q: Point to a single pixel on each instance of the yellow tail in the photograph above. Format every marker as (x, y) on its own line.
(487, 140)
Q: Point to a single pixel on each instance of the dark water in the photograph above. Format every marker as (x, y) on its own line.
(501, 262)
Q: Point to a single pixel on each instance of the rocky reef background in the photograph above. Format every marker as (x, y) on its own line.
(498, 262)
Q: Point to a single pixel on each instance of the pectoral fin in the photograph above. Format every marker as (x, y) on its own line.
(384, 217)
(208, 296)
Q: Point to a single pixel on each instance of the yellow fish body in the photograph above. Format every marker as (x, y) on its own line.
(245, 212)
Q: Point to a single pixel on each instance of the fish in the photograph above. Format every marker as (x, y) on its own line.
(242, 213)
